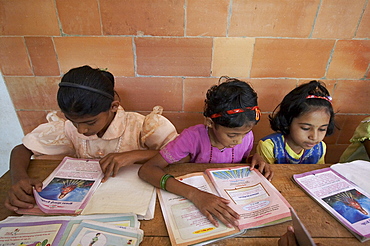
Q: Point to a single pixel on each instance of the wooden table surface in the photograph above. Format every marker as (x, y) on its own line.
(322, 226)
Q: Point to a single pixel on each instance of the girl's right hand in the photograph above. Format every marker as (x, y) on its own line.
(20, 195)
(214, 207)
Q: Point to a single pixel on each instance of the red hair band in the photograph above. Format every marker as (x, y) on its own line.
(327, 98)
(239, 110)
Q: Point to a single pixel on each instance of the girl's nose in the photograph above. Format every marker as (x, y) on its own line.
(313, 135)
(238, 141)
(81, 129)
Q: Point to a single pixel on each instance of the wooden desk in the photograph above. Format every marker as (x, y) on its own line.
(322, 226)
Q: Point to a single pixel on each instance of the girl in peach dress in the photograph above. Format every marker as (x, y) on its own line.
(96, 127)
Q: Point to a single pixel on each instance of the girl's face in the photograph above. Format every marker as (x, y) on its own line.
(308, 129)
(225, 137)
(93, 125)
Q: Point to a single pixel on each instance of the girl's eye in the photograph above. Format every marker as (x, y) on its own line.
(91, 124)
(323, 129)
(231, 136)
(305, 129)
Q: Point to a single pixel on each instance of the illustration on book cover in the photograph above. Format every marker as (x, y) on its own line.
(73, 190)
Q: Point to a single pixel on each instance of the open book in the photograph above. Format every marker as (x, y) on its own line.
(341, 197)
(252, 196)
(75, 187)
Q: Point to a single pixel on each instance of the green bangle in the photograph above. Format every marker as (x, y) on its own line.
(164, 180)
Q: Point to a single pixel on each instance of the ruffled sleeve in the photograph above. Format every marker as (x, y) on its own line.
(362, 131)
(49, 138)
(157, 130)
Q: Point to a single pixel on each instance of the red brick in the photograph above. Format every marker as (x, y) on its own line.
(13, 57)
(79, 17)
(113, 53)
(297, 58)
(43, 56)
(174, 56)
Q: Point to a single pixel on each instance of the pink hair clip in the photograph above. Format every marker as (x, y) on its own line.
(327, 98)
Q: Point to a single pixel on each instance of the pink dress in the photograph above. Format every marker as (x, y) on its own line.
(128, 131)
(194, 141)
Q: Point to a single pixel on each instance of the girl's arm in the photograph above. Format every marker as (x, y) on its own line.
(20, 194)
(112, 162)
(208, 204)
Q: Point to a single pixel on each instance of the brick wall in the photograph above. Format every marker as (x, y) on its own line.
(169, 52)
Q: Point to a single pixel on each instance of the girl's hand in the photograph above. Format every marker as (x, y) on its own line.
(263, 167)
(288, 239)
(111, 163)
(20, 194)
(215, 207)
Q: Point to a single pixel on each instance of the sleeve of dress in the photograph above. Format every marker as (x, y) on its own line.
(157, 130)
(322, 159)
(362, 131)
(49, 138)
(179, 148)
(266, 150)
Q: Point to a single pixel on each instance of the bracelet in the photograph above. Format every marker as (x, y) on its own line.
(164, 180)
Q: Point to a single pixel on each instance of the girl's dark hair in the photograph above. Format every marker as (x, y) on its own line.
(79, 101)
(296, 103)
(231, 94)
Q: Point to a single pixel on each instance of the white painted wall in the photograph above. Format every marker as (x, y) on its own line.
(11, 133)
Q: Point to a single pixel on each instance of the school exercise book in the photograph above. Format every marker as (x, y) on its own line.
(337, 190)
(75, 187)
(252, 196)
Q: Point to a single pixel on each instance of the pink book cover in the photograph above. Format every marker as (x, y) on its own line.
(68, 189)
(252, 196)
(344, 200)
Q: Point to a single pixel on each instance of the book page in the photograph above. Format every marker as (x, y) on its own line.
(124, 193)
(356, 171)
(185, 223)
(253, 197)
(70, 186)
(343, 199)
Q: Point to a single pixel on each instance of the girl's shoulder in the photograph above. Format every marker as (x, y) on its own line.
(196, 129)
(275, 135)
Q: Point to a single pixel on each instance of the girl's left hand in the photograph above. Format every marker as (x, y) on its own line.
(263, 167)
(111, 163)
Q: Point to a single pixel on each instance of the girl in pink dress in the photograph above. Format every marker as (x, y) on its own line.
(231, 112)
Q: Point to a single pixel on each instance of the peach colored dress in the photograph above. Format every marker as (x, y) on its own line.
(128, 131)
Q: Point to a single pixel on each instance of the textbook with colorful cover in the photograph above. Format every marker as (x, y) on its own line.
(32, 233)
(252, 196)
(337, 190)
(102, 229)
(75, 187)
(68, 189)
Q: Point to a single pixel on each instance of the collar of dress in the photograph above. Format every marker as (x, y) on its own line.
(115, 129)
